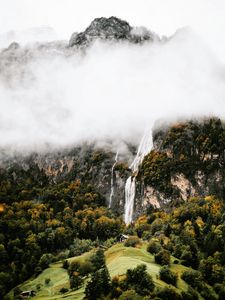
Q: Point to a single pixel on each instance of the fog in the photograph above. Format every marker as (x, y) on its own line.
(51, 96)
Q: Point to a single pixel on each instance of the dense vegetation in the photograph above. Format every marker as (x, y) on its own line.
(188, 148)
(59, 221)
(42, 221)
(194, 233)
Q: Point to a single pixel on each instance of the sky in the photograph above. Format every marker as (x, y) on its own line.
(115, 91)
(206, 17)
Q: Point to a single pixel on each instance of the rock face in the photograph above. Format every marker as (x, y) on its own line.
(187, 160)
(19, 57)
(110, 29)
(90, 165)
(166, 177)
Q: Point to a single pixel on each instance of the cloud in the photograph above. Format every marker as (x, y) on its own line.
(31, 35)
(51, 96)
(162, 16)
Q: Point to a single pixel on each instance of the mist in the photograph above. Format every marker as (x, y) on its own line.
(52, 96)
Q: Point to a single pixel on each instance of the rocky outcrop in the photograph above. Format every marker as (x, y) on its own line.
(187, 160)
(111, 29)
(167, 176)
(181, 183)
(90, 165)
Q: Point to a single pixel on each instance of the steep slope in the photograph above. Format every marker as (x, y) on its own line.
(187, 160)
(113, 29)
(118, 259)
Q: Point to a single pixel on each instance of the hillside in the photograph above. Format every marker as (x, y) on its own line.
(185, 246)
(118, 260)
(55, 206)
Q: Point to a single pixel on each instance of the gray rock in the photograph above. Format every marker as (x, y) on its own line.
(110, 29)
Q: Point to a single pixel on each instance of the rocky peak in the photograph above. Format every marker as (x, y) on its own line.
(110, 29)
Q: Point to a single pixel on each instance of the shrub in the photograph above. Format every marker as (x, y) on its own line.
(37, 270)
(168, 294)
(168, 276)
(132, 241)
(220, 290)
(191, 294)
(75, 281)
(45, 260)
(163, 257)
(17, 291)
(80, 246)
(65, 264)
(85, 268)
(64, 290)
(186, 258)
(193, 278)
(73, 267)
(207, 293)
(140, 280)
(47, 281)
(110, 242)
(154, 247)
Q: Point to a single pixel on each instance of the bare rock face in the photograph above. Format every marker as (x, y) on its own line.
(180, 165)
(151, 197)
(184, 186)
(110, 29)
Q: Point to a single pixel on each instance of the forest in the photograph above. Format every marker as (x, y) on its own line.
(44, 222)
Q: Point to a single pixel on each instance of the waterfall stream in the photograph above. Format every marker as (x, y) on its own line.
(143, 149)
(112, 181)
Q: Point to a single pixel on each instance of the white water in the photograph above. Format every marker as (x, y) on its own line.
(143, 150)
(112, 180)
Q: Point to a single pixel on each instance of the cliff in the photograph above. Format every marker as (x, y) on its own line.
(187, 160)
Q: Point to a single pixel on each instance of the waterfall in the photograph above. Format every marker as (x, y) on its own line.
(143, 150)
(112, 180)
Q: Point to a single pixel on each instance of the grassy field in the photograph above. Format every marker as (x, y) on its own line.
(118, 260)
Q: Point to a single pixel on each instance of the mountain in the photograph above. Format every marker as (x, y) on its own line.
(186, 160)
(111, 29)
(30, 35)
(57, 202)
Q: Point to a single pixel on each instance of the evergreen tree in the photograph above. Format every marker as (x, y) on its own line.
(99, 285)
(98, 259)
(140, 280)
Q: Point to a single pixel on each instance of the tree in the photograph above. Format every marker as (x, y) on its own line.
(98, 259)
(45, 260)
(168, 276)
(65, 264)
(140, 280)
(193, 278)
(154, 247)
(191, 294)
(132, 241)
(75, 280)
(163, 257)
(99, 285)
(169, 294)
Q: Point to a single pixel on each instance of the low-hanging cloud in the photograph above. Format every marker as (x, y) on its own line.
(52, 96)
